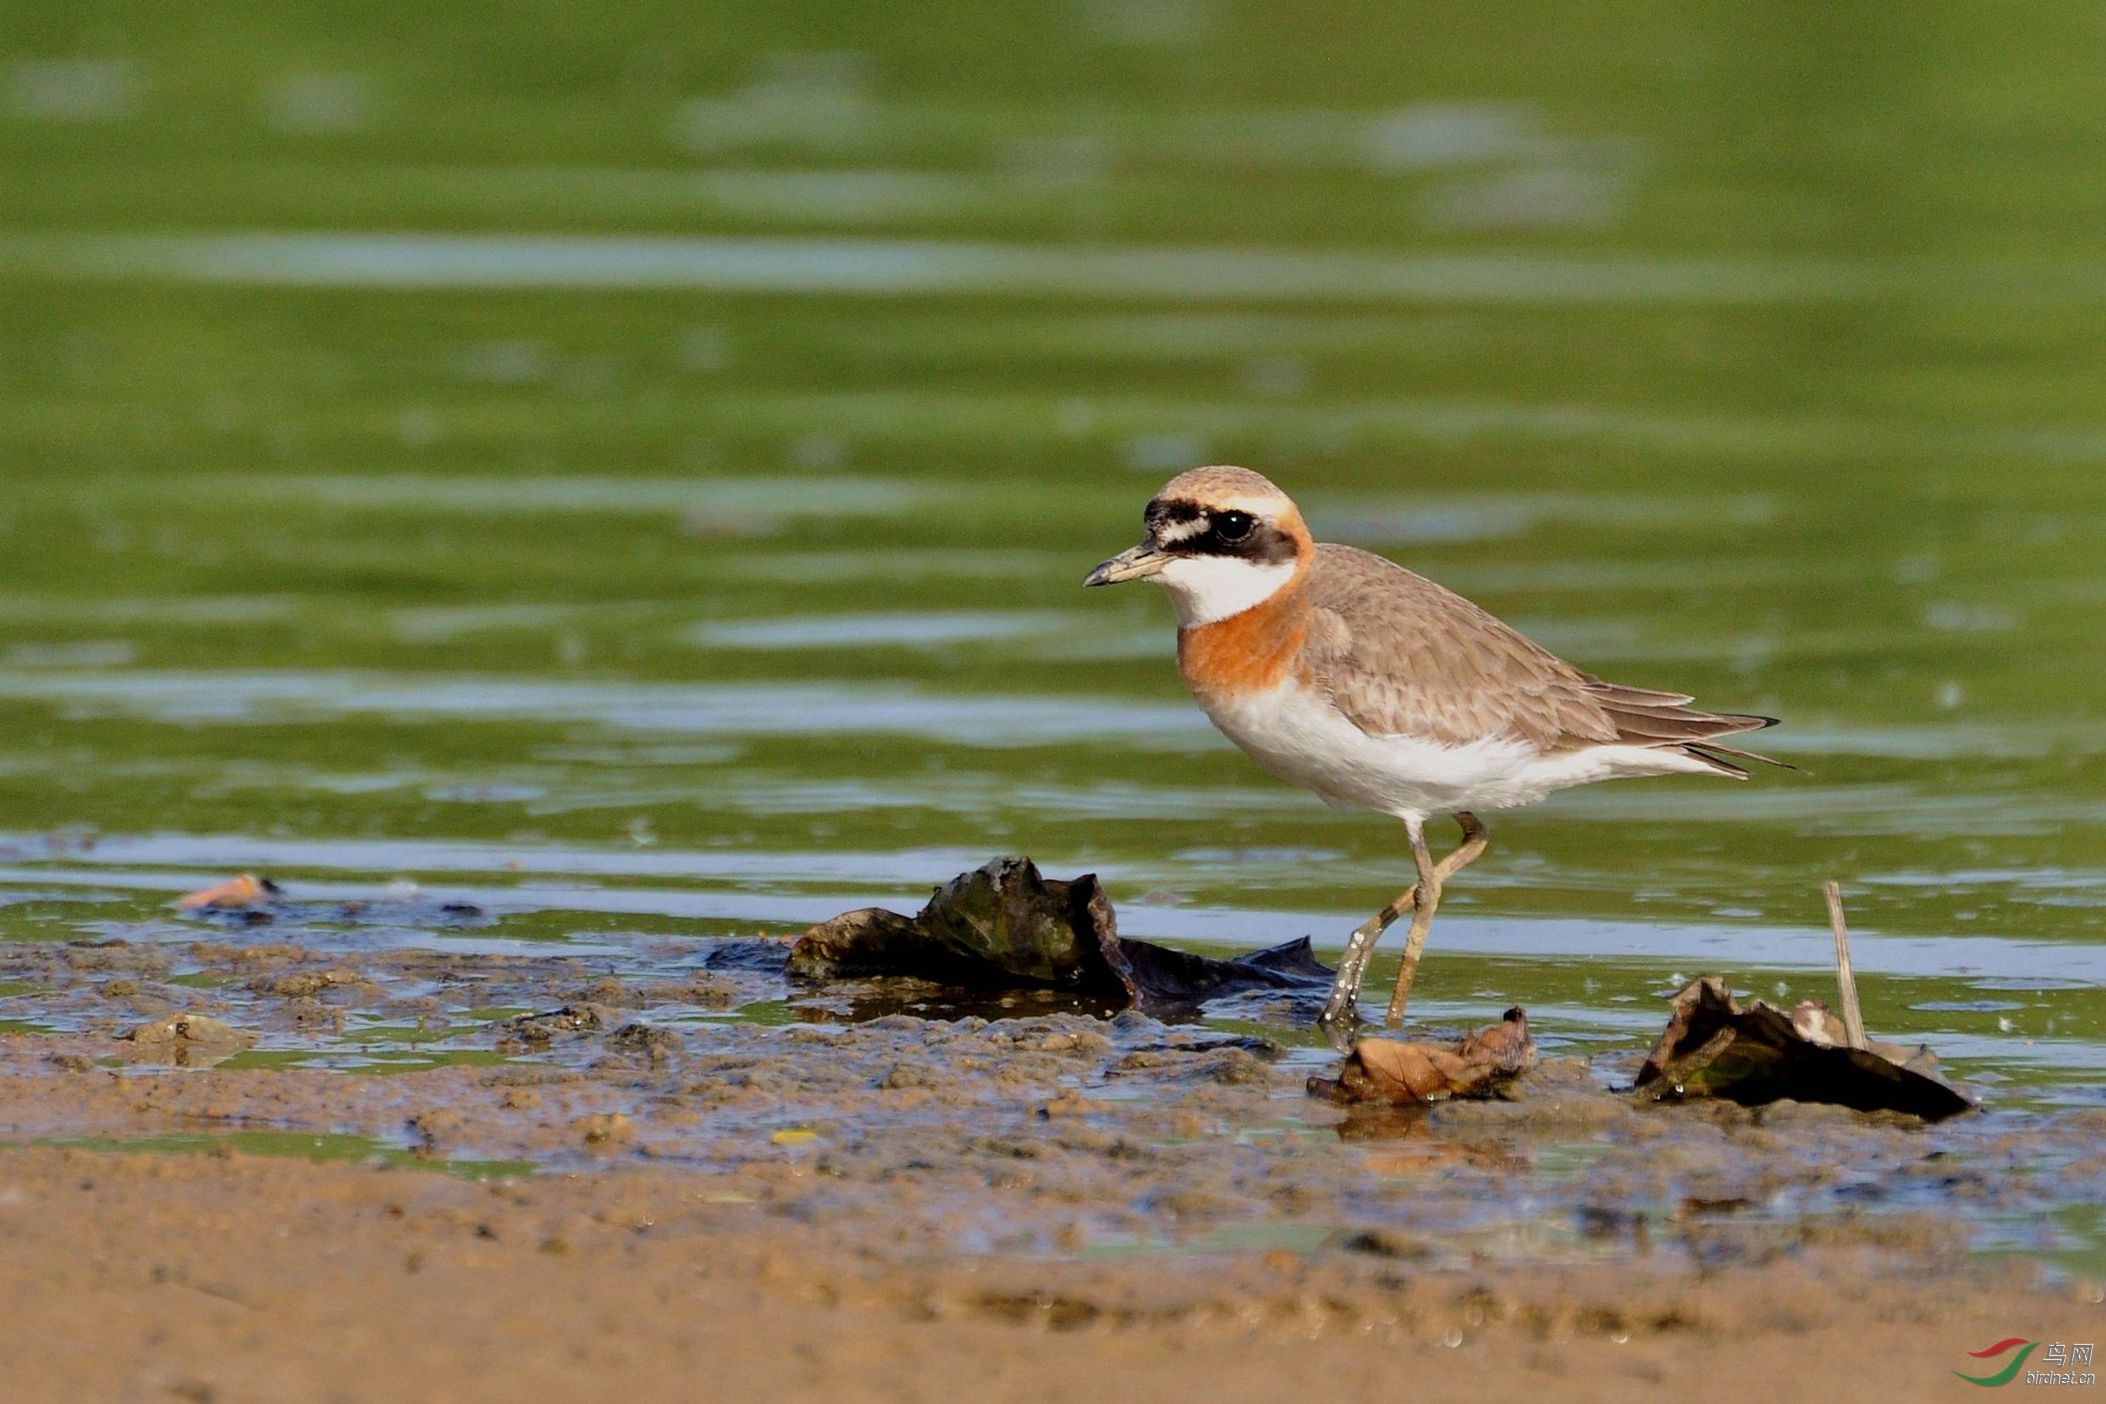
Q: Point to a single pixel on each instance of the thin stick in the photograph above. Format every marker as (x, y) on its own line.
(1846, 981)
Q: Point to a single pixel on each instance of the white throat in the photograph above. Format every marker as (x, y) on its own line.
(1206, 588)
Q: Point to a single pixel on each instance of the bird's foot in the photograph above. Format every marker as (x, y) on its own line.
(1340, 1020)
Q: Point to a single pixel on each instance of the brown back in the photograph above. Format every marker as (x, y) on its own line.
(1399, 654)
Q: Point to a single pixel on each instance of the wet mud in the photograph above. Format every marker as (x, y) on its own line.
(926, 1159)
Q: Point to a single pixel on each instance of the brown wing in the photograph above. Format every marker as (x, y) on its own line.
(1399, 654)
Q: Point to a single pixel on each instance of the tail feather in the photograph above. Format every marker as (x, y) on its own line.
(1680, 725)
(1717, 762)
(1665, 719)
(1615, 694)
(1744, 755)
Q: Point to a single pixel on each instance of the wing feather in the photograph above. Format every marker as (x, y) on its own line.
(1401, 655)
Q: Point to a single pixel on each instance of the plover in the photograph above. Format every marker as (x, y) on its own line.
(1346, 674)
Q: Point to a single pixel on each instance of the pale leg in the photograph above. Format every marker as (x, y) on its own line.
(1426, 899)
(1341, 1012)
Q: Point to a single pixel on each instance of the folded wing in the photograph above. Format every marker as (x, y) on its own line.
(1401, 655)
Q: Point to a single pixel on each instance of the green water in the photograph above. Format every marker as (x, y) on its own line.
(715, 565)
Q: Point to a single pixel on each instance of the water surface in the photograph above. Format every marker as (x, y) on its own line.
(652, 495)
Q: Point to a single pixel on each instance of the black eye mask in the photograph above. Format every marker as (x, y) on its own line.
(1226, 533)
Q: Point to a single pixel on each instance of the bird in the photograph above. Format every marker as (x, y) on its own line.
(1346, 674)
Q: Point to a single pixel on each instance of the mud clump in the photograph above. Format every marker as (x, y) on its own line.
(605, 1130)
(702, 991)
(188, 1040)
(1387, 1243)
(644, 1043)
(570, 1021)
(432, 1132)
(314, 984)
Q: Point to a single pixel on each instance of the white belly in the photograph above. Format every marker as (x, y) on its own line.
(1300, 737)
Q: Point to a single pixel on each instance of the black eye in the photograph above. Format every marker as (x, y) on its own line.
(1234, 526)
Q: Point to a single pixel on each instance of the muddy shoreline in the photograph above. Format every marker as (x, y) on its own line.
(241, 1278)
(605, 1174)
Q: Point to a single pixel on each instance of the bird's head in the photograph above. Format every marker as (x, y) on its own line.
(1220, 540)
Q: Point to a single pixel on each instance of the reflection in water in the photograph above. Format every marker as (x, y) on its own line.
(853, 630)
(895, 268)
(857, 1001)
(722, 709)
(1405, 1141)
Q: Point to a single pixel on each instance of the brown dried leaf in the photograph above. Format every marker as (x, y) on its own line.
(241, 891)
(1417, 1074)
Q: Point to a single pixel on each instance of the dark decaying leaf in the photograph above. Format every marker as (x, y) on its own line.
(1713, 1048)
(1179, 977)
(1391, 1071)
(1005, 925)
